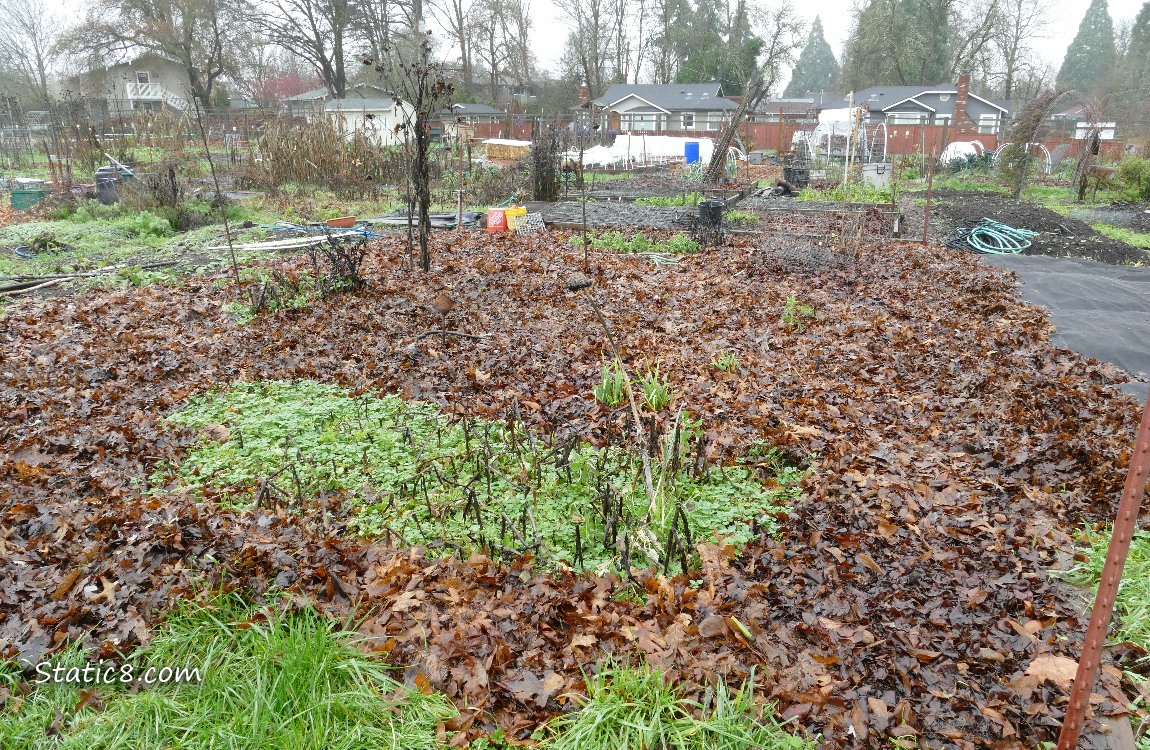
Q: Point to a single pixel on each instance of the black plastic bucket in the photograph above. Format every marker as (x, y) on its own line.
(711, 212)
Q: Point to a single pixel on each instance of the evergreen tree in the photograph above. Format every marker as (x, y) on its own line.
(670, 38)
(1089, 63)
(817, 69)
(720, 52)
(904, 42)
(1134, 69)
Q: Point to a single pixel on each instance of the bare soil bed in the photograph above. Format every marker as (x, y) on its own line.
(1061, 236)
(613, 215)
(953, 450)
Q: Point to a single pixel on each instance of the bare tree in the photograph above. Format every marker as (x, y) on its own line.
(589, 45)
(518, 26)
(640, 18)
(27, 38)
(490, 42)
(379, 23)
(316, 31)
(782, 34)
(1021, 22)
(974, 24)
(782, 37)
(421, 89)
(202, 36)
(455, 17)
(269, 74)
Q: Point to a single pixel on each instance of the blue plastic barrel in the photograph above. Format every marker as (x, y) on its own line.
(691, 151)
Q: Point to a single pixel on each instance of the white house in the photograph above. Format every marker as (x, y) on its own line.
(383, 119)
(146, 83)
(655, 108)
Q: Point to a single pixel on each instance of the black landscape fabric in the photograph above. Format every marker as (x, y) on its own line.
(1100, 310)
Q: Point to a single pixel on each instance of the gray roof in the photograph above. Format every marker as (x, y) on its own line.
(356, 91)
(881, 97)
(359, 105)
(309, 96)
(672, 97)
(475, 109)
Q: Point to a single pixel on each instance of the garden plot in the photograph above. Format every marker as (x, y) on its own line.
(1060, 236)
(570, 214)
(950, 450)
(820, 218)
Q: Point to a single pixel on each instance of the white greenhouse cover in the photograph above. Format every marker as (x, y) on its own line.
(635, 149)
(961, 150)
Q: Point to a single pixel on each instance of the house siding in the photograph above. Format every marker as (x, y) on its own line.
(122, 94)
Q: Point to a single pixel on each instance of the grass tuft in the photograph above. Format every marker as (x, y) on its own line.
(276, 682)
(634, 707)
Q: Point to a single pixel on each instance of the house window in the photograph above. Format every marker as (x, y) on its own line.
(988, 124)
(714, 120)
(142, 77)
(644, 122)
(904, 118)
(688, 121)
(942, 119)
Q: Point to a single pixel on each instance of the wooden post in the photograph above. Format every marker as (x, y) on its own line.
(1088, 664)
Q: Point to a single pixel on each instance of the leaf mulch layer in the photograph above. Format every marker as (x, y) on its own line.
(1061, 236)
(953, 449)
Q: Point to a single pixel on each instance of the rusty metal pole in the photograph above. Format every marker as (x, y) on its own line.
(929, 185)
(1119, 548)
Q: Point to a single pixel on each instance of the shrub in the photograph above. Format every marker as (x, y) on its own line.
(1134, 172)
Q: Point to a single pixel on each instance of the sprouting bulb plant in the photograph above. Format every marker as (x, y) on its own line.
(726, 361)
(796, 315)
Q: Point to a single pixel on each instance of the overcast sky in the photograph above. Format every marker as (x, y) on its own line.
(1065, 15)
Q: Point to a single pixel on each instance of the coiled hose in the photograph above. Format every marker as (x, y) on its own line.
(989, 236)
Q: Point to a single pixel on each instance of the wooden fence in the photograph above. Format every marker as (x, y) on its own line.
(901, 140)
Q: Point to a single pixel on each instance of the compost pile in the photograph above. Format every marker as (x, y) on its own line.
(952, 450)
(1061, 236)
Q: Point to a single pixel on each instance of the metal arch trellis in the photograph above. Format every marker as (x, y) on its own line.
(1029, 146)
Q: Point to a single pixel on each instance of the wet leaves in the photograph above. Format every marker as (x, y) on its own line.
(953, 449)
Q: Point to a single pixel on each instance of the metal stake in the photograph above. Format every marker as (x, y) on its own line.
(1108, 587)
(929, 186)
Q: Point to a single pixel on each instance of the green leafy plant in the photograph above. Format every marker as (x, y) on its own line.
(407, 472)
(1129, 236)
(656, 389)
(685, 199)
(1134, 173)
(679, 243)
(855, 191)
(795, 315)
(1133, 602)
(639, 243)
(741, 218)
(612, 388)
(726, 361)
(1132, 605)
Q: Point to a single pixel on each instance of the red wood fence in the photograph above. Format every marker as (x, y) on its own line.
(902, 140)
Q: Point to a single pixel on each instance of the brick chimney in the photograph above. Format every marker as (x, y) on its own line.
(584, 94)
(961, 118)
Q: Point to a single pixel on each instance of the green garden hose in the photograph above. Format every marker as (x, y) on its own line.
(990, 236)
